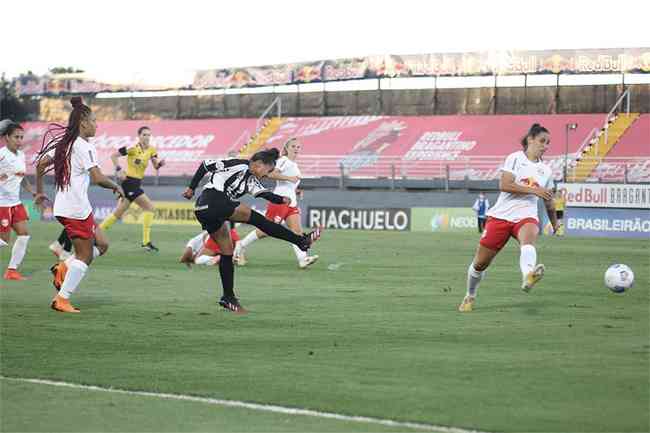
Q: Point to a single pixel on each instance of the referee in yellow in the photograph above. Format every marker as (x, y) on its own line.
(138, 157)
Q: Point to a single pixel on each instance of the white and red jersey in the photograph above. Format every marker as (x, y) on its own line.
(287, 167)
(12, 173)
(516, 207)
(73, 201)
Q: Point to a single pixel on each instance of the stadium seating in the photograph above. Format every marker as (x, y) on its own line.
(629, 159)
(601, 145)
(259, 139)
(422, 147)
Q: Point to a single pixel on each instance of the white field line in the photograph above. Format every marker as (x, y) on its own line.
(252, 406)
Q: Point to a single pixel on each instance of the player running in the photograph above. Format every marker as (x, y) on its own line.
(287, 175)
(524, 179)
(75, 163)
(13, 215)
(137, 161)
(231, 179)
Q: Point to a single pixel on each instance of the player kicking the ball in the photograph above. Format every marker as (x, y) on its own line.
(231, 179)
(515, 213)
(287, 175)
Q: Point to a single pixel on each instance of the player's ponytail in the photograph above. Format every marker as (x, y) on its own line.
(533, 132)
(285, 151)
(61, 138)
(268, 156)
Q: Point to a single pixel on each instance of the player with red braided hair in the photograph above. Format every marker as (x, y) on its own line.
(74, 160)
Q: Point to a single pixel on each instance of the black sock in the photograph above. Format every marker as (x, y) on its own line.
(227, 272)
(273, 229)
(65, 241)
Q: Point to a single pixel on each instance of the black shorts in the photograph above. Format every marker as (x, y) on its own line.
(213, 208)
(132, 188)
(559, 214)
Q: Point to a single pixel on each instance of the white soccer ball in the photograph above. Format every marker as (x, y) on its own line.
(619, 278)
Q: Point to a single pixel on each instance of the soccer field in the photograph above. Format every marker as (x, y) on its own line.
(370, 330)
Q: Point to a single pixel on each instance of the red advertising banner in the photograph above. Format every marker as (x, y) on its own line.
(182, 143)
(372, 146)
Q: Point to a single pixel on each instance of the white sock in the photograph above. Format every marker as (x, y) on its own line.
(69, 260)
(527, 259)
(96, 252)
(300, 254)
(203, 260)
(249, 239)
(18, 252)
(197, 242)
(474, 278)
(3, 243)
(76, 271)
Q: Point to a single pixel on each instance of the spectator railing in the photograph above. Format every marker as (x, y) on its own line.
(369, 166)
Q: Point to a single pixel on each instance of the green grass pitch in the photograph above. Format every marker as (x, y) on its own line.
(375, 335)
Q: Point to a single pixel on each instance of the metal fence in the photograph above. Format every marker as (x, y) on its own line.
(474, 168)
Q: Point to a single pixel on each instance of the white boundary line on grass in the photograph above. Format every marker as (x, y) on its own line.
(252, 406)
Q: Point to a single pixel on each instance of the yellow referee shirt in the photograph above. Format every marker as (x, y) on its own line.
(137, 160)
(559, 203)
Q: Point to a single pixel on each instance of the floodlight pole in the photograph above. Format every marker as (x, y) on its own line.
(568, 127)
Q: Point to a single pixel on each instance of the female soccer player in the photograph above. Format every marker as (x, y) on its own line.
(524, 179)
(229, 180)
(203, 250)
(75, 164)
(138, 158)
(13, 215)
(287, 175)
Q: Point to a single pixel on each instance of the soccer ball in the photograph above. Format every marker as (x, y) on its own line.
(619, 278)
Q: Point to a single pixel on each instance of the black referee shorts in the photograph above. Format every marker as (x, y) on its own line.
(132, 188)
(213, 208)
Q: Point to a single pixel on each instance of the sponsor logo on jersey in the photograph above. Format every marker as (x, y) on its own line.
(527, 181)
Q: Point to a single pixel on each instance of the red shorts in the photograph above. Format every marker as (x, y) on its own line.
(497, 232)
(10, 216)
(280, 212)
(84, 229)
(214, 247)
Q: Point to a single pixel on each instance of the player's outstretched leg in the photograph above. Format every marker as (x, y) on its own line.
(245, 214)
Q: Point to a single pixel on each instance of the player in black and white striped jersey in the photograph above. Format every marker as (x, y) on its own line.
(231, 179)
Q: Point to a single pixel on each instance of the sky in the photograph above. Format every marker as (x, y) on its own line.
(165, 42)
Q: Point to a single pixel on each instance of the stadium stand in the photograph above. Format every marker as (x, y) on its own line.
(364, 146)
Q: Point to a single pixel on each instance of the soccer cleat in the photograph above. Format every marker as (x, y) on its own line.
(187, 258)
(309, 238)
(150, 247)
(232, 304)
(12, 274)
(58, 271)
(62, 305)
(533, 278)
(307, 261)
(468, 304)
